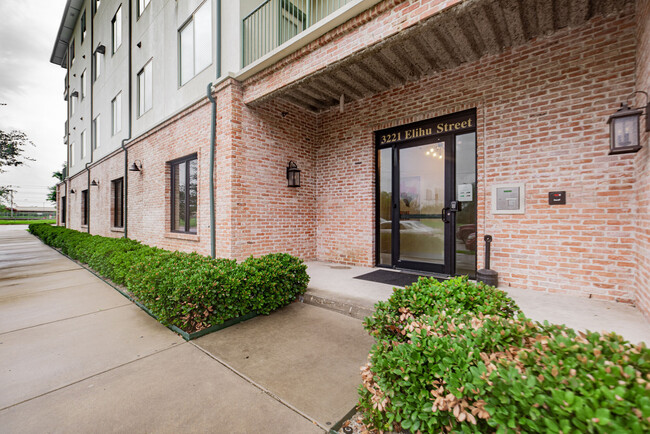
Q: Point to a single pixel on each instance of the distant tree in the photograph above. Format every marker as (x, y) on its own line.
(12, 147)
(51, 196)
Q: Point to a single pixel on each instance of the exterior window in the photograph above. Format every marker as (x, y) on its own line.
(116, 25)
(142, 5)
(63, 210)
(83, 84)
(96, 4)
(195, 42)
(72, 154)
(83, 144)
(83, 26)
(145, 89)
(72, 52)
(118, 202)
(116, 109)
(73, 104)
(84, 208)
(97, 58)
(96, 132)
(184, 194)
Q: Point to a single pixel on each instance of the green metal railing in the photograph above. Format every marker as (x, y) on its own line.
(274, 22)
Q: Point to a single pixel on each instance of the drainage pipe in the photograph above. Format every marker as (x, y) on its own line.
(125, 205)
(92, 126)
(213, 128)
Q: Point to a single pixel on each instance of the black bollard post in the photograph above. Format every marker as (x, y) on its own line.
(485, 275)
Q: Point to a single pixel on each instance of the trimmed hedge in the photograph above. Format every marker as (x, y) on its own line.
(187, 290)
(458, 356)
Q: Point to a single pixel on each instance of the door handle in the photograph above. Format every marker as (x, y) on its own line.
(443, 217)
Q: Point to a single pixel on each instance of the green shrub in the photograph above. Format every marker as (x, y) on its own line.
(472, 366)
(187, 290)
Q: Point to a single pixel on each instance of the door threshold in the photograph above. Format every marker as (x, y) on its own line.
(417, 272)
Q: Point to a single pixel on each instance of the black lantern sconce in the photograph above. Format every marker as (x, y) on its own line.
(101, 49)
(95, 183)
(624, 127)
(73, 191)
(293, 175)
(136, 166)
(75, 94)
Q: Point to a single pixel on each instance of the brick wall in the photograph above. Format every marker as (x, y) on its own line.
(542, 111)
(642, 161)
(268, 216)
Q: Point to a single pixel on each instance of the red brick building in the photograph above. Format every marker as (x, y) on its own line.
(418, 127)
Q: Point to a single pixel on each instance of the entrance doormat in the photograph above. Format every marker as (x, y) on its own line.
(394, 278)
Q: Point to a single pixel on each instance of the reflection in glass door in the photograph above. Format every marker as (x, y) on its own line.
(421, 199)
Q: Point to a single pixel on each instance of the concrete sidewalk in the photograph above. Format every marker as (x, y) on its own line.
(79, 357)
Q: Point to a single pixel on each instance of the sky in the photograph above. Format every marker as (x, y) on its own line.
(32, 89)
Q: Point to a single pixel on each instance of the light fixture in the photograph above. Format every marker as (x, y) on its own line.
(136, 166)
(75, 94)
(624, 127)
(101, 49)
(73, 191)
(95, 183)
(293, 175)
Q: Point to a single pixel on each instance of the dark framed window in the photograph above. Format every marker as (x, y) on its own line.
(63, 207)
(184, 175)
(84, 207)
(118, 202)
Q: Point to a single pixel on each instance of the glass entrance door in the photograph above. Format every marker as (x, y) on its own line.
(421, 230)
(415, 220)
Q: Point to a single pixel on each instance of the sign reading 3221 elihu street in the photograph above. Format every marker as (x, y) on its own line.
(455, 123)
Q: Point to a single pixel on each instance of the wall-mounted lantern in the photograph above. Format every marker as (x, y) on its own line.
(624, 127)
(73, 191)
(293, 175)
(75, 94)
(136, 166)
(101, 49)
(95, 183)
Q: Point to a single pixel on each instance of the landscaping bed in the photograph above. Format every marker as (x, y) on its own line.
(458, 356)
(186, 291)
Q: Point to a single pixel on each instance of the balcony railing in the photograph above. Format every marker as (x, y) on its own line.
(274, 22)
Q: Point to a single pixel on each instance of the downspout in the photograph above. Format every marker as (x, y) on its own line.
(92, 75)
(126, 139)
(67, 172)
(213, 129)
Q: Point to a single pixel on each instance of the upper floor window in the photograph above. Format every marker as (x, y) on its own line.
(96, 4)
(73, 105)
(72, 52)
(83, 26)
(116, 109)
(97, 58)
(116, 26)
(145, 89)
(96, 132)
(72, 159)
(83, 144)
(195, 43)
(142, 5)
(83, 84)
